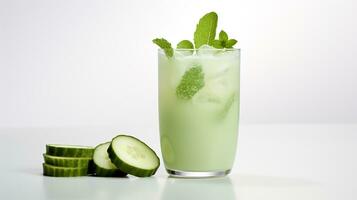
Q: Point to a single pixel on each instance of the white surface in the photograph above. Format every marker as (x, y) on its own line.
(295, 161)
(82, 62)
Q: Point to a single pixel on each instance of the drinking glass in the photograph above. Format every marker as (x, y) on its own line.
(199, 111)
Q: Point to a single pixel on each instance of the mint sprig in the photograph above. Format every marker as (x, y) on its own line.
(191, 82)
(165, 45)
(206, 30)
(205, 34)
(223, 41)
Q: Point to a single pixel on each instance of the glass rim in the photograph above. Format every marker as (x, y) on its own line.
(213, 49)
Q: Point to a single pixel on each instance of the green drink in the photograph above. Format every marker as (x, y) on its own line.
(199, 102)
(199, 133)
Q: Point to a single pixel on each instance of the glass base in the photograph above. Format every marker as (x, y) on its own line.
(188, 174)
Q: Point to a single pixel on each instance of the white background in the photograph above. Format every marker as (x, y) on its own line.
(81, 71)
(81, 63)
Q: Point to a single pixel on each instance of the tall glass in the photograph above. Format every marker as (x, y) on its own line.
(199, 111)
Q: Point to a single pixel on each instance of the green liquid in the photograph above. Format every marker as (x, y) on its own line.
(199, 134)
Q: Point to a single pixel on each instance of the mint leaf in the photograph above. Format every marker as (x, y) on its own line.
(206, 30)
(165, 45)
(224, 41)
(230, 43)
(191, 82)
(223, 36)
(217, 44)
(185, 44)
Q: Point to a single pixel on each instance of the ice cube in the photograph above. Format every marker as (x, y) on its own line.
(207, 50)
(218, 72)
(182, 53)
(214, 105)
(213, 96)
(207, 101)
(228, 53)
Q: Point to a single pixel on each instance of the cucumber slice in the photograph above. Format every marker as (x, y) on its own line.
(103, 165)
(50, 170)
(66, 161)
(133, 156)
(69, 150)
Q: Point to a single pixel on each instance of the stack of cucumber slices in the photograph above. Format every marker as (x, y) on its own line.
(123, 155)
(67, 160)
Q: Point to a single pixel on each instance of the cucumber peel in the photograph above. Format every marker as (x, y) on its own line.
(69, 150)
(51, 170)
(66, 161)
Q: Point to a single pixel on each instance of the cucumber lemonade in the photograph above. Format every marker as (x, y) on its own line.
(198, 109)
(199, 102)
